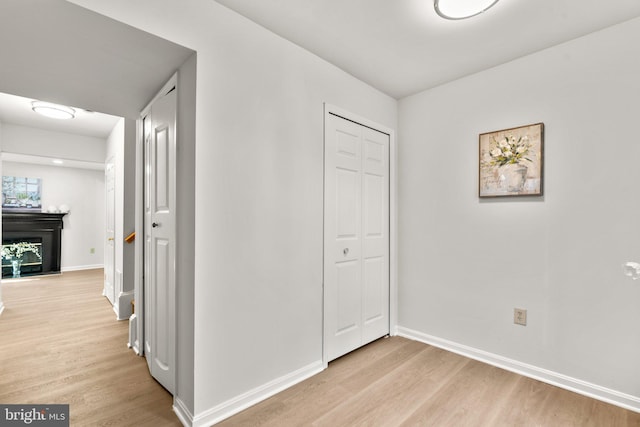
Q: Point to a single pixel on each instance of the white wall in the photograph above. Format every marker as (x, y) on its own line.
(120, 149)
(46, 143)
(466, 263)
(185, 214)
(127, 214)
(258, 178)
(259, 196)
(258, 222)
(83, 191)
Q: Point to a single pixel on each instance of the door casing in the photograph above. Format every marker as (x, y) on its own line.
(109, 249)
(140, 246)
(393, 263)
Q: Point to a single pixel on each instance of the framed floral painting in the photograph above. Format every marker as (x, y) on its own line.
(511, 162)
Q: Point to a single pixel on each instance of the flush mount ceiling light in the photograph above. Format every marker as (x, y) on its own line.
(461, 9)
(53, 111)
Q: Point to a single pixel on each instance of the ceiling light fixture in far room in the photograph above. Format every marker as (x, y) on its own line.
(53, 111)
(461, 9)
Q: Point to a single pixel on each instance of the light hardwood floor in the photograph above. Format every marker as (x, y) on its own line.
(398, 382)
(60, 343)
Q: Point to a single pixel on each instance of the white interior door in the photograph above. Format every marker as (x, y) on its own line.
(159, 236)
(110, 214)
(356, 266)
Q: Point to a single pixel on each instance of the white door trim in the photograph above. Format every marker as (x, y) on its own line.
(393, 224)
(138, 279)
(139, 259)
(109, 244)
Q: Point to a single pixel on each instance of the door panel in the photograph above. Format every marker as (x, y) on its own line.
(356, 272)
(375, 286)
(163, 299)
(159, 281)
(374, 206)
(373, 289)
(347, 210)
(161, 167)
(348, 297)
(347, 329)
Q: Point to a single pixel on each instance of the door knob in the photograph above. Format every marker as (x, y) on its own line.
(155, 224)
(110, 239)
(345, 251)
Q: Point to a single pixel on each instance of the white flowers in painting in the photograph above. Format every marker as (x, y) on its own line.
(509, 150)
(16, 250)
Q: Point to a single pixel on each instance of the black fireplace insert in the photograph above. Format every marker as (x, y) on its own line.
(39, 228)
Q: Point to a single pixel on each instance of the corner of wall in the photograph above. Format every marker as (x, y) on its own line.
(239, 403)
(128, 210)
(186, 201)
(123, 302)
(182, 412)
(584, 388)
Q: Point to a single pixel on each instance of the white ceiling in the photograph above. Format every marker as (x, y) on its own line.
(59, 52)
(17, 110)
(402, 47)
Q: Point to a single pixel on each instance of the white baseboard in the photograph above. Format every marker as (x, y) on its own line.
(124, 305)
(82, 267)
(183, 413)
(243, 401)
(117, 284)
(563, 381)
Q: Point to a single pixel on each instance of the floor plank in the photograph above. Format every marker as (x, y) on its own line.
(397, 382)
(61, 344)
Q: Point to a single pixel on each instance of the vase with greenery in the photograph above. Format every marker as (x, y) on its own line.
(14, 252)
(509, 156)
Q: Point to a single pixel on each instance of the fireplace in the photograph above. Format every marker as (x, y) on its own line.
(31, 263)
(41, 229)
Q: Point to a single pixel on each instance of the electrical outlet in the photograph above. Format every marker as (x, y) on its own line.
(520, 316)
(92, 250)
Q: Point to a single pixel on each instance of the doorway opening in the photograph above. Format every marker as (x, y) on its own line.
(97, 72)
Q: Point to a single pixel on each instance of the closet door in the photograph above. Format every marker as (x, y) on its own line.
(356, 241)
(160, 237)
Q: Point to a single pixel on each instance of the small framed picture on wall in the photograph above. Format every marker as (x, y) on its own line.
(511, 162)
(21, 193)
